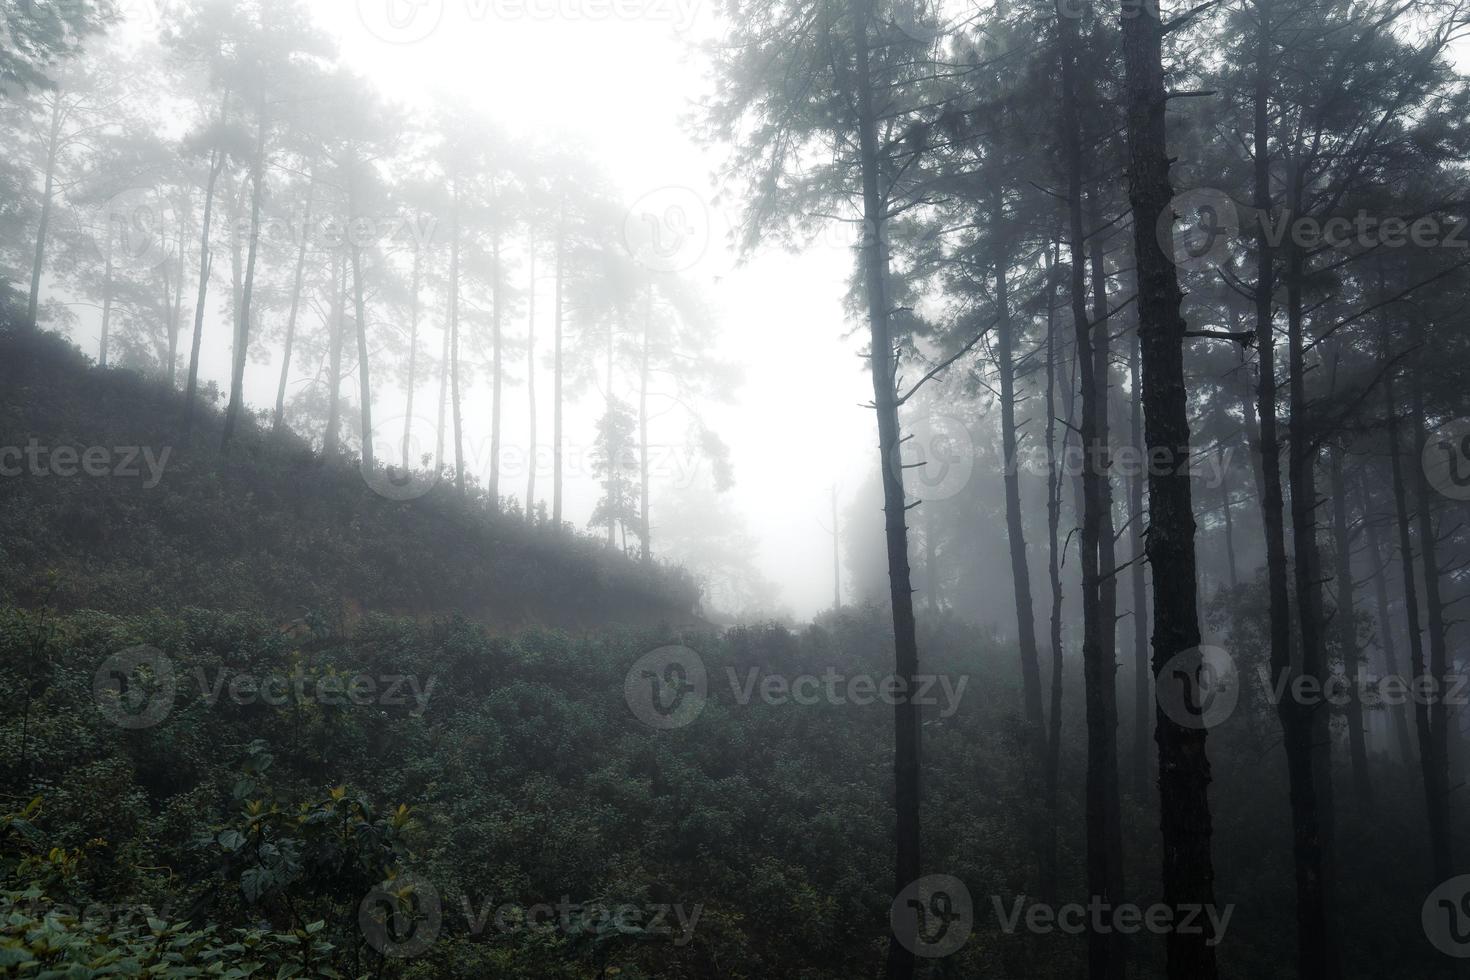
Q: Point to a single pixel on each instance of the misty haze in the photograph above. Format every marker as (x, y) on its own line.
(827, 489)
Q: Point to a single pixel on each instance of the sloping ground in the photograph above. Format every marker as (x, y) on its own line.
(100, 486)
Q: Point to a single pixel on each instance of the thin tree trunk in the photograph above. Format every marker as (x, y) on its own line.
(331, 445)
(106, 301)
(1015, 526)
(296, 286)
(556, 386)
(1346, 619)
(900, 963)
(1049, 870)
(1184, 766)
(531, 389)
(413, 354)
(1227, 507)
(1436, 751)
(48, 198)
(242, 325)
(365, 392)
(1138, 521)
(496, 343)
(1106, 951)
(206, 265)
(1319, 951)
(1398, 715)
(644, 525)
(454, 343)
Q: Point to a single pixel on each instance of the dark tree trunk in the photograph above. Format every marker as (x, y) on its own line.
(497, 355)
(1049, 870)
(900, 963)
(1142, 674)
(1436, 750)
(1346, 618)
(1319, 951)
(644, 526)
(1227, 508)
(1399, 717)
(1184, 766)
(1106, 949)
(1015, 527)
(365, 392)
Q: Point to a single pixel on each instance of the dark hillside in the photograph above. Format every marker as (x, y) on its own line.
(274, 528)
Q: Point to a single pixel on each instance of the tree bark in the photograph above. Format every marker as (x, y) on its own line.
(1049, 870)
(48, 199)
(1346, 618)
(1015, 526)
(413, 354)
(1184, 767)
(242, 324)
(332, 443)
(296, 286)
(900, 962)
(217, 160)
(1436, 750)
(557, 385)
(1106, 949)
(1399, 717)
(1142, 675)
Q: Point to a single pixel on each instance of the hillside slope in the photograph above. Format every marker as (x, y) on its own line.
(153, 520)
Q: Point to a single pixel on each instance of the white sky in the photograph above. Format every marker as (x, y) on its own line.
(620, 77)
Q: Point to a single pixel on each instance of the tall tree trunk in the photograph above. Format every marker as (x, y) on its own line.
(217, 160)
(531, 388)
(364, 383)
(1302, 450)
(454, 396)
(413, 354)
(1049, 871)
(296, 286)
(48, 199)
(900, 963)
(1015, 526)
(1436, 750)
(1435, 792)
(1399, 717)
(1227, 507)
(247, 292)
(1106, 950)
(1138, 521)
(1311, 921)
(332, 444)
(439, 429)
(106, 301)
(1346, 619)
(497, 368)
(1184, 766)
(644, 525)
(558, 367)
(615, 462)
